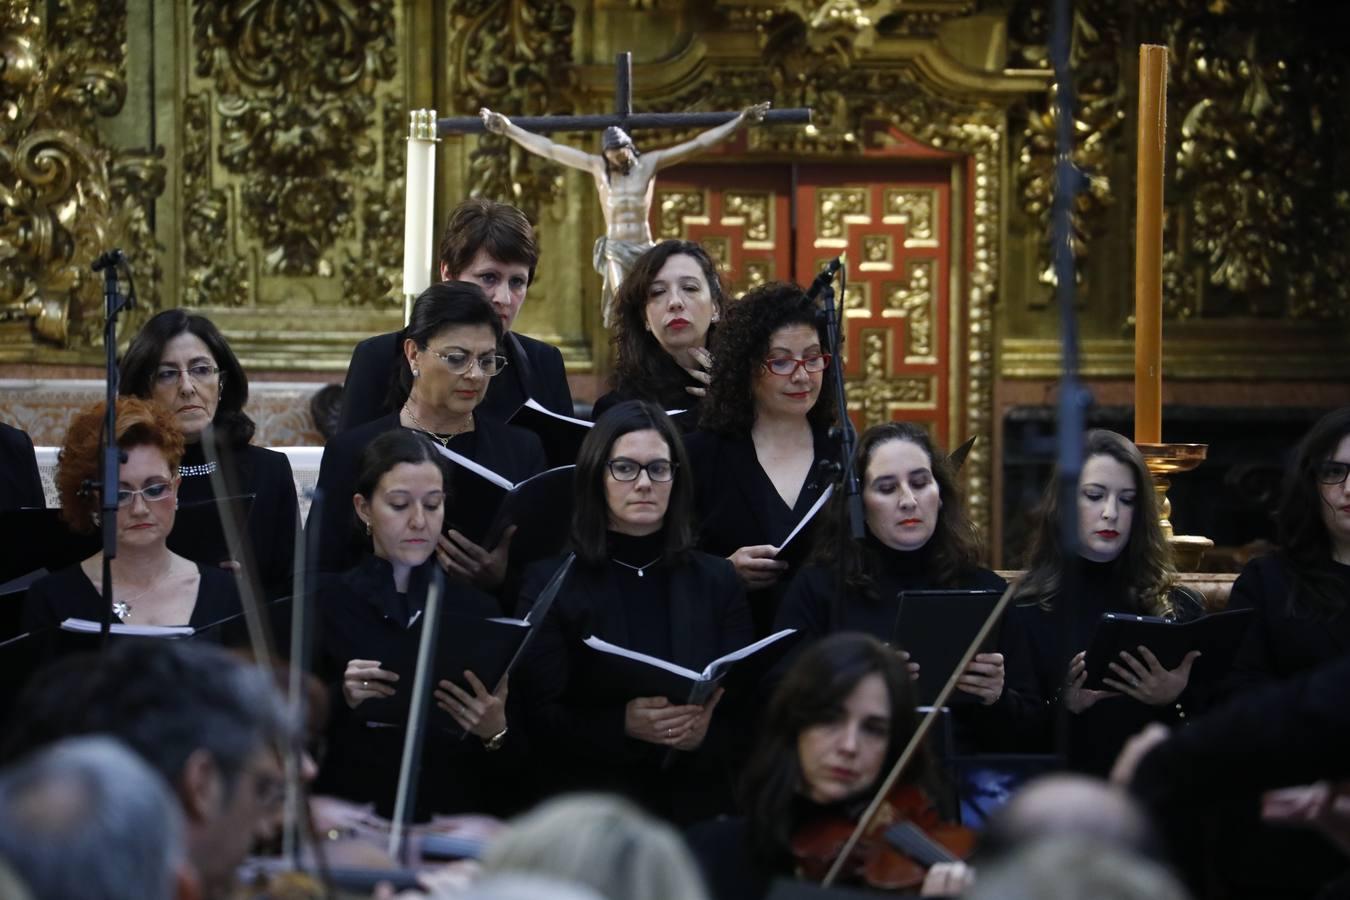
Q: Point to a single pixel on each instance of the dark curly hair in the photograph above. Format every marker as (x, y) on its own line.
(952, 551)
(812, 693)
(1144, 569)
(642, 368)
(140, 423)
(1304, 541)
(140, 362)
(742, 343)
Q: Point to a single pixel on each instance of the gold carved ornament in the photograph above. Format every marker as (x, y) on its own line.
(66, 195)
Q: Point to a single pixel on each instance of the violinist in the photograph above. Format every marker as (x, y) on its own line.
(837, 723)
(370, 625)
(181, 361)
(636, 582)
(917, 537)
(204, 720)
(1126, 567)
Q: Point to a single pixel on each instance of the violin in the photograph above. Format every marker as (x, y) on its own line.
(904, 839)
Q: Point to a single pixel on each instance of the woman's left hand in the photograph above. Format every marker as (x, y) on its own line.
(702, 375)
(983, 677)
(691, 738)
(482, 713)
(1147, 681)
(470, 563)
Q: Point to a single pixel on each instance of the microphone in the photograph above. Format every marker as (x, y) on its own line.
(111, 258)
(823, 279)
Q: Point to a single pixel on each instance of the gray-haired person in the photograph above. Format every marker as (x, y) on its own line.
(86, 819)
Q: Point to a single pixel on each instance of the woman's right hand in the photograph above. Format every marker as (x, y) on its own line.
(365, 680)
(1076, 697)
(658, 721)
(703, 374)
(758, 566)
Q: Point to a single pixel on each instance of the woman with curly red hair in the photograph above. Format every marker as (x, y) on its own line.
(153, 585)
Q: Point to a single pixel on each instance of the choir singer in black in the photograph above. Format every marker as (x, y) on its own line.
(636, 582)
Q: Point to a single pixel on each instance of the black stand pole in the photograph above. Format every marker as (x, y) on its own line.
(851, 527)
(111, 455)
(1073, 397)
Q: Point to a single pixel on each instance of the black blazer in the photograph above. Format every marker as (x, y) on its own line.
(512, 452)
(361, 616)
(534, 370)
(273, 517)
(20, 483)
(582, 734)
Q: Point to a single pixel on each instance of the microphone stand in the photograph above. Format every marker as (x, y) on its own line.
(111, 456)
(851, 524)
(1073, 397)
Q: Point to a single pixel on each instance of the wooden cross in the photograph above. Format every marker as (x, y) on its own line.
(623, 115)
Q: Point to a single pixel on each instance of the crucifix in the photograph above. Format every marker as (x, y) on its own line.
(625, 179)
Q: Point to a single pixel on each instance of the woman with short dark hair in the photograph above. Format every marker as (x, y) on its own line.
(181, 361)
(451, 351)
(636, 582)
(762, 452)
(665, 310)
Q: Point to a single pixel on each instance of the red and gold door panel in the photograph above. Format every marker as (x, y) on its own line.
(894, 222)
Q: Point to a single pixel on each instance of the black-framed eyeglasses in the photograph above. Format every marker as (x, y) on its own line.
(200, 374)
(625, 469)
(786, 366)
(1331, 472)
(459, 361)
(160, 490)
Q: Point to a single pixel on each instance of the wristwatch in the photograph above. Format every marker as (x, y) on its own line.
(495, 742)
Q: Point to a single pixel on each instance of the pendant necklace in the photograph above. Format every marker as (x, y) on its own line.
(442, 439)
(641, 570)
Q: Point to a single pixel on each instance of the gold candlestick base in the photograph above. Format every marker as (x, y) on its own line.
(1164, 460)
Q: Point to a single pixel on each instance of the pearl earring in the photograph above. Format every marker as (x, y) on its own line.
(367, 528)
(416, 372)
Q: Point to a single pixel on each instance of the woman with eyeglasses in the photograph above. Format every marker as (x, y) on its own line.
(763, 437)
(451, 351)
(666, 308)
(182, 362)
(152, 585)
(1299, 596)
(637, 582)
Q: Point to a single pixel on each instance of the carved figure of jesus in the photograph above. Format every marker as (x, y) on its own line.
(625, 180)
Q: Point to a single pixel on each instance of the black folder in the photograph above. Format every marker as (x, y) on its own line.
(1217, 636)
(561, 435)
(936, 627)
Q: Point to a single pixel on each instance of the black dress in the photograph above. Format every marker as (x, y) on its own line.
(361, 615)
(513, 453)
(534, 370)
(1036, 665)
(690, 614)
(20, 483)
(738, 506)
(69, 594)
(731, 868)
(273, 515)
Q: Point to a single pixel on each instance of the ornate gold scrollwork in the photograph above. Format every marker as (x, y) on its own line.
(296, 101)
(754, 213)
(915, 210)
(879, 395)
(680, 209)
(65, 193)
(514, 56)
(915, 303)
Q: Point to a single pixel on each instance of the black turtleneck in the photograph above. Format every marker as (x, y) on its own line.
(812, 604)
(650, 631)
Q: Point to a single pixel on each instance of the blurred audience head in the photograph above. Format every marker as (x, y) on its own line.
(1064, 805)
(1071, 867)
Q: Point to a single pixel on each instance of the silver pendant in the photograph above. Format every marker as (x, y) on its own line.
(121, 610)
(641, 572)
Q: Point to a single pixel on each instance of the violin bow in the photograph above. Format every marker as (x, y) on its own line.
(261, 640)
(925, 725)
(417, 713)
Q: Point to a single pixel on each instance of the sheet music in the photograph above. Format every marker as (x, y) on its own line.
(810, 514)
(460, 459)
